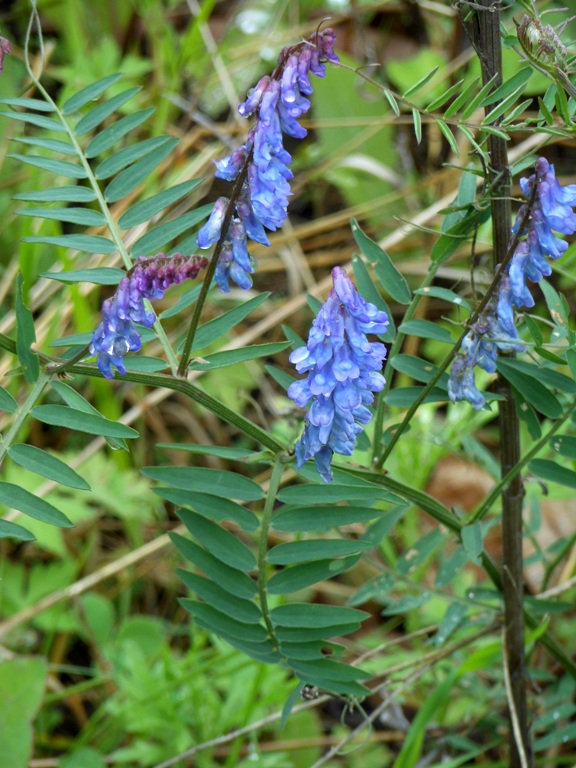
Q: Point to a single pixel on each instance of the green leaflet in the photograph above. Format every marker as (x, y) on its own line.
(7, 402)
(314, 615)
(241, 355)
(298, 577)
(332, 493)
(564, 445)
(60, 167)
(42, 463)
(368, 291)
(88, 94)
(426, 329)
(214, 508)
(15, 531)
(58, 195)
(97, 276)
(14, 496)
(144, 210)
(127, 155)
(38, 104)
(216, 328)
(100, 112)
(64, 416)
(113, 133)
(218, 541)
(232, 580)
(223, 624)
(321, 518)
(420, 551)
(531, 390)
(237, 608)
(390, 278)
(315, 549)
(417, 369)
(132, 176)
(217, 482)
(84, 216)
(552, 472)
(159, 236)
(86, 243)
(444, 293)
(63, 147)
(403, 397)
(38, 120)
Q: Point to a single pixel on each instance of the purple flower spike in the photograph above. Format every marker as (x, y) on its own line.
(343, 373)
(277, 101)
(551, 209)
(117, 334)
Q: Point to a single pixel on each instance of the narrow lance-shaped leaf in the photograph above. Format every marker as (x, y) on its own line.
(391, 279)
(14, 496)
(100, 112)
(113, 133)
(88, 94)
(144, 210)
(63, 416)
(60, 167)
(42, 463)
(131, 177)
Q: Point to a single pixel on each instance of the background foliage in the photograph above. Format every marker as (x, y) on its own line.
(128, 641)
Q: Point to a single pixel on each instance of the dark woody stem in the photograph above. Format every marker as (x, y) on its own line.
(234, 197)
(484, 30)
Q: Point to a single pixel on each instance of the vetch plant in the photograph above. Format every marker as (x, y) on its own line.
(262, 531)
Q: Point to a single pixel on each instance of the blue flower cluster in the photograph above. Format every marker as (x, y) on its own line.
(551, 209)
(118, 334)
(343, 373)
(278, 100)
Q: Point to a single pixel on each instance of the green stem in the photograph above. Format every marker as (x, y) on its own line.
(23, 413)
(277, 472)
(104, 209)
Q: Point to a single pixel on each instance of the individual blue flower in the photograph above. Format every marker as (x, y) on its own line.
(118, 334)
(343, 373)
(277, 101)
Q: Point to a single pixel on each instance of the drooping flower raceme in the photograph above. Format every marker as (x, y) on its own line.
(118, 332)
(551, 208)
(343, 373)
(277, 101)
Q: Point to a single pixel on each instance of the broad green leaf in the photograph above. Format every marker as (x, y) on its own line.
(472, 541)
(42, 463)
(84, 216)
(64, 416)
(143, 211)
(220, 622)
(132, 176)
(19, 101)
(64, 147)
(564, 445)
(314, 615)
(113, 133)
(531, 390)
(39, 120)
(100, 112)
(450, 623)
(218, 541)
(300, 576)
(208, 591)
(315, 549)
(331, 494)
(241, 355)
(367, 289)
(417, 369)
(58, 195)
(88, 94)
(60, 167)
(426, 329)
(15, 531)
(216, 328)
(159, 236)
(97, 276)
(444, 293)
(230, 579)
(552, 472)
(86, 243)
(214, 508)
(390, 278)
(217, 482)
(404, 397)
(18, 498)
(420, 551)
(124, 157)
(296, 519)
(25, 335)
(7, 402)
(450, 566)
(22, 688)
